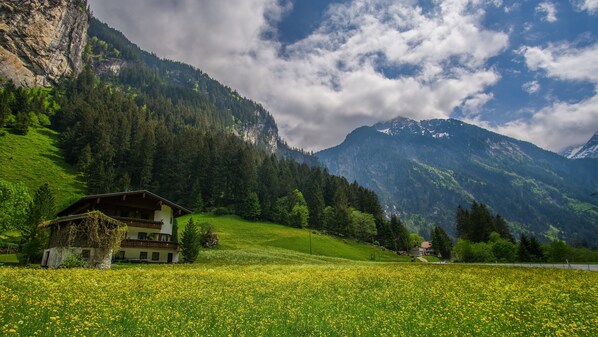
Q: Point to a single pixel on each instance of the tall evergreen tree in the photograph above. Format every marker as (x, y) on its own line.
(400, 234)
(441, 242)
(33, 238)
(190, 242)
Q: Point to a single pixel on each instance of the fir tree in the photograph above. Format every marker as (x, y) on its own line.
(251, 207)
(33, 238)
(190, 242)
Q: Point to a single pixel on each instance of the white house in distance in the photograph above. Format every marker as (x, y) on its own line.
(149, 219)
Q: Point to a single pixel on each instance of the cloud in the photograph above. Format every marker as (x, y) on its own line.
(591, 6)
(547, 9)
(531, 87)
(332, 81)
(560, 124)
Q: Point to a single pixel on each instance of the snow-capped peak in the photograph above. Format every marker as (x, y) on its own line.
(589, 150)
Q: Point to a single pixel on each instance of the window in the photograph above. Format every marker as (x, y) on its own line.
(155, 256)
(120, 255)
(85, 254)
(143, 256)
(141, 236)
(164, 237)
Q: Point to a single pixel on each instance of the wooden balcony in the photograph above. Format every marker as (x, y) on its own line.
(151, 244)
(141, 223)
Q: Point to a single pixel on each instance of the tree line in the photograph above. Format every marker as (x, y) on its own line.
(119, 145)
(485, 237)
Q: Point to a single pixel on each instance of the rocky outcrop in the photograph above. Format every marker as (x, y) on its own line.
(42, 41)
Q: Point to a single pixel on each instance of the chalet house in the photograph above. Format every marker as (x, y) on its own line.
(149, 219)
(425, 249)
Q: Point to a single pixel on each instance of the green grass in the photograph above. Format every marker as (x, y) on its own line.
(246, 242)
(354, 299)
(35, 159)
(9, 258)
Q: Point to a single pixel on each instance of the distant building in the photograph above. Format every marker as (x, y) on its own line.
(425, 249)
(149, 219)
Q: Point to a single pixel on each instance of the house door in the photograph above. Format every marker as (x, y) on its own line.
(169, 258)
(46, 258)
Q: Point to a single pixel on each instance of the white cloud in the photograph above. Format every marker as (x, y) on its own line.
(531, 87)
(564, 61)
(547, 9)
(322, 87)
(587, 5)
(560, 124)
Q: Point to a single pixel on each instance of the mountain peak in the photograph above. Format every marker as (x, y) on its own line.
(588, 150)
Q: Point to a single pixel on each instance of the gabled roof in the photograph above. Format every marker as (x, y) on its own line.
(144, 193)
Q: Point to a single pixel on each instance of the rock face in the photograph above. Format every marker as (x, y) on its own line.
(42, 41)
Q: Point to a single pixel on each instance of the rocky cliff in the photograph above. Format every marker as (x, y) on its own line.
(42, 41)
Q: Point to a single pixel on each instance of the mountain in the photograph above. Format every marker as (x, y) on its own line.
(423, 170)
(41, 41)
(588, 150)
(117, 60)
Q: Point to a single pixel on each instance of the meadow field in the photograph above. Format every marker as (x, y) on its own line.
(325, 299)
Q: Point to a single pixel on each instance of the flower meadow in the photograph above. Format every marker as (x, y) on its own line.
(360, 299)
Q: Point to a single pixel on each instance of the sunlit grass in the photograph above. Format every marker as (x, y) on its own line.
(35, 159)
(355, 298)
(238, 234)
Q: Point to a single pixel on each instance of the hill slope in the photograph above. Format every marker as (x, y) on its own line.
(246, 242)
(196, 98)
(35, 159)
(423, 170)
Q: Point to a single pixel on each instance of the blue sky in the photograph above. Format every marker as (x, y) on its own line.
(527, 69)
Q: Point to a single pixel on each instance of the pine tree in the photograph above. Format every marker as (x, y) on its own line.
(190, 242)
(441, 242)
(400, 234)
(523, 250)
(34, 239)
(251, 207)
(535, 251)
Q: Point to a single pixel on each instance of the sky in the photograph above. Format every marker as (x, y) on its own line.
(526, 69)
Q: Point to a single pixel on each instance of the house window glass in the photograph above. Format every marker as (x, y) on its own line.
(141, 236)
(120, 255)
(155, 256)
(85, 254)
(143, 255)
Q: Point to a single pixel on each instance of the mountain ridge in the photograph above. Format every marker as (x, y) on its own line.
(423, 170)
(587, 150)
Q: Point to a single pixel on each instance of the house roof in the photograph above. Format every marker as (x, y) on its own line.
(426, 244)
(144, 193)
(75, 217)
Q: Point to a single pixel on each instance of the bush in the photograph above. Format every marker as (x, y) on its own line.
(74, 261)
(208, 238)
(220, 211)
(466, 251)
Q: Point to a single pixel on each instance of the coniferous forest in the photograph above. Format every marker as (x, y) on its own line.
(167, 127)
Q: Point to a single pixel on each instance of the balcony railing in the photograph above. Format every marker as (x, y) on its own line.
(141, 223)
(132, 243)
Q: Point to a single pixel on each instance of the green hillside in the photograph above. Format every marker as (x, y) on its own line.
(35, 159)
(246, 242)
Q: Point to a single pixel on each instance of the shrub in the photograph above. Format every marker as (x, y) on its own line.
(74, 261)
(219, 211)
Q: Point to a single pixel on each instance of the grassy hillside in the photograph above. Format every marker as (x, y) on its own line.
(35, 159)
(246, 242)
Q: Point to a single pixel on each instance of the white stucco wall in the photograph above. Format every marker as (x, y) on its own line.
(164, 215)
(133, 254)
(132, 232)
(57, 256)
